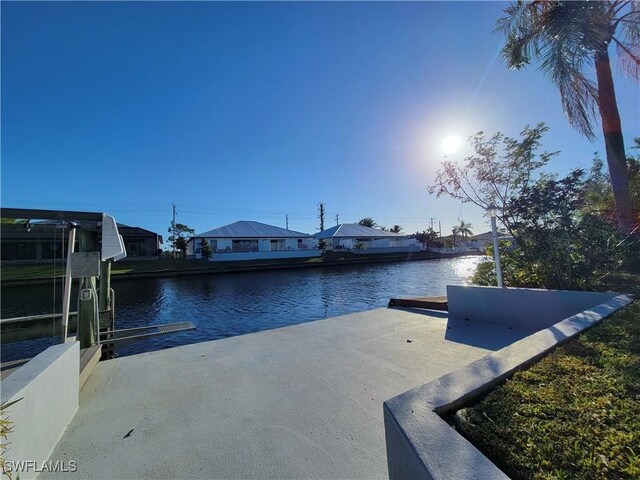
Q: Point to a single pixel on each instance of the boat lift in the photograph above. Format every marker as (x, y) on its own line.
(96, 301)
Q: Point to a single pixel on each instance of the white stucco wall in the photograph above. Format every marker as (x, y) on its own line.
(519, 307)
(264, 246)
(230, 257)
(48, 386)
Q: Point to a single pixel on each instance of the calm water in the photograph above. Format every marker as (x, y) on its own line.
(225, 305)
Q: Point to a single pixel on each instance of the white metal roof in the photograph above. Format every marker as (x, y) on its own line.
(246, 229)
(489, 235)
(353, 230)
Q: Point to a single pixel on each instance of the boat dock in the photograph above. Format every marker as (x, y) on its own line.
(303, 401)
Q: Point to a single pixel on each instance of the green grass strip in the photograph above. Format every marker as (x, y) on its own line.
(573, 415)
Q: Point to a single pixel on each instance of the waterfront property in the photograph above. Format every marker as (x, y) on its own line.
(298, 402)
(237, 303)
(45, 241)
(246, 240)
(307, 400)
(475, 243)
(484, 240)
(139, 242)
(360, 239)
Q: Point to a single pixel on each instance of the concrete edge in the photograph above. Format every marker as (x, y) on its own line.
(88, 361)
(418, 445)
(33, 369)
(48, 391)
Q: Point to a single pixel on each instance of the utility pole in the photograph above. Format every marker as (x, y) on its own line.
(440, 228)
(432, 224)
(173, 230)
(286, 220)
(337, 219)
(321, 215)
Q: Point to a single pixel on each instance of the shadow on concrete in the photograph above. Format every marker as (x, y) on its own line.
(423, 311)
(483, 335)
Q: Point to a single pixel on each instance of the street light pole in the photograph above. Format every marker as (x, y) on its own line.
(493, 211)
(173, 230)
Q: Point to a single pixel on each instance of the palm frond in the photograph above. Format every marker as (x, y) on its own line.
(628, 58)
(565, 36)
(628, 43)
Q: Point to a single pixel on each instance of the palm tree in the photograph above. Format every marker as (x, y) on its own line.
(569, 37)
(464, 229)
(367, 222)
(395, 229)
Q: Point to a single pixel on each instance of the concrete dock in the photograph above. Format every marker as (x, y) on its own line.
(297, 402)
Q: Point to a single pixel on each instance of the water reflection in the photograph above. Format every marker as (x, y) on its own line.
(225, 305)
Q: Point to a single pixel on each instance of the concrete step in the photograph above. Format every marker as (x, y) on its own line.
(89, 358)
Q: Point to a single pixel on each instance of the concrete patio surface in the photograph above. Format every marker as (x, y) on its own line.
(303, 401)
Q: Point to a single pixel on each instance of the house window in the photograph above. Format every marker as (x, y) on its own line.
(19, 251)
(245, 245)
(278, 245)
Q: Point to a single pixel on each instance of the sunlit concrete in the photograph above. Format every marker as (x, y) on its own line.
(420, 443)
(297, 402)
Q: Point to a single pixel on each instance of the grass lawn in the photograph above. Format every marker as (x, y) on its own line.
(576, 413)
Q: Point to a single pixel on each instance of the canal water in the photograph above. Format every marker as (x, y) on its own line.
(225, 305)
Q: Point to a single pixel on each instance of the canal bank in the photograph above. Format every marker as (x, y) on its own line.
(222, 306)
(42, 274)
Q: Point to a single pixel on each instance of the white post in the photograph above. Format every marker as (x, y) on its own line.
(496, 252)
(66, 298)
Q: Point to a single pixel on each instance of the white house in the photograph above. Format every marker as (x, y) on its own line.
(483, 240)
(360, 239)
(475, 243)
(245, 240)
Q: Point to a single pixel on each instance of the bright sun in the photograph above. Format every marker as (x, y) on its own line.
(450, 144)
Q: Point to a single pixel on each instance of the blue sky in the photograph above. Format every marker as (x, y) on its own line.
(250, 111)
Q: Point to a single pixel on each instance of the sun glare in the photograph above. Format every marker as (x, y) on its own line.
(451, 144)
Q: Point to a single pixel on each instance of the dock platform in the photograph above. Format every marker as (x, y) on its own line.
(303, 401)
(430, 303)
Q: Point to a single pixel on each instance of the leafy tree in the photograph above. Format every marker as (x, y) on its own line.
(562, 241)
(367, 222)
(561, 244)
(205, 249)
(322, 244)
(599, 196)
(570, 38)
(178, 238)
(359, 245)
(395, 229)
(497, 172)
